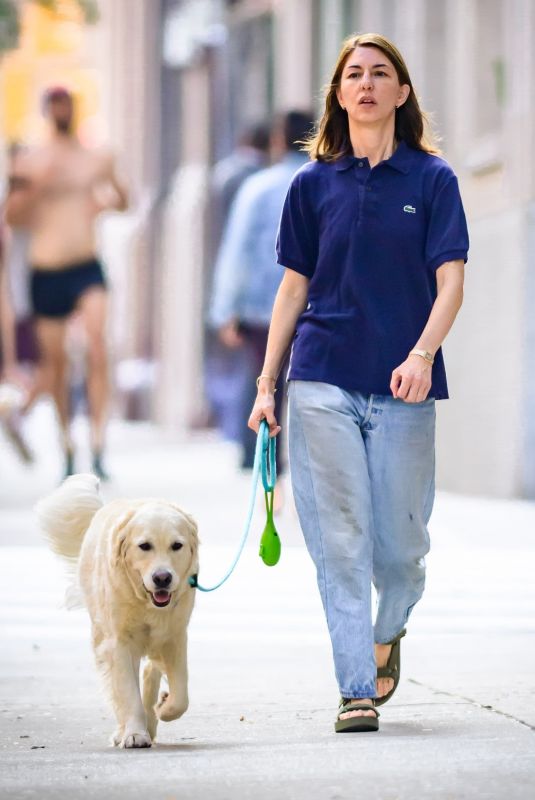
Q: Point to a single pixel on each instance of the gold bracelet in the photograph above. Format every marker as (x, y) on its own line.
(269, 377)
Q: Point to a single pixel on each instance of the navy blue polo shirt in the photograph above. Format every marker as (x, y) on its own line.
(370, 241)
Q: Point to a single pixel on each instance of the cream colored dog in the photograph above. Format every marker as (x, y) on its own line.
(133, 559)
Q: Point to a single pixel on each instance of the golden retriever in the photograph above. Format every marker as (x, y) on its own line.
(133, 559)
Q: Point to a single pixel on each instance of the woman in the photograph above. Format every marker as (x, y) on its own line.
(373, 237)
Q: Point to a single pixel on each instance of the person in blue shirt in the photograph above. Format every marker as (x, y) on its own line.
(226, 368)
(245, 281)
(374, 240)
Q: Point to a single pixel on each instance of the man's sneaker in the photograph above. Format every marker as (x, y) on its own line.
(12, 427)
(69, 464)
(97, 467)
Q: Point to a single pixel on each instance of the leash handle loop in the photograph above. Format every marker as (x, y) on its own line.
(264, 463)
(269, 450)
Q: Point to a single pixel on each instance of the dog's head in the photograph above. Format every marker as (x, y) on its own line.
(157, 544)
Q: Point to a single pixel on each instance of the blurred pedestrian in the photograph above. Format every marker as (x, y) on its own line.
(250, 154)
(56, 192)
(246, 281)
(374, 240)
(8, 357)
(227, 369)
(17, 278)
(11, 395)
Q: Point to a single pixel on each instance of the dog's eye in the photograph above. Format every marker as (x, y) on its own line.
(145, 546)
(177, 546)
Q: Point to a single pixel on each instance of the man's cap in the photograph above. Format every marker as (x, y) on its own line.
(54, 93)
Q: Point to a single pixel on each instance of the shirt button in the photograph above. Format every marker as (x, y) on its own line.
(361, 164)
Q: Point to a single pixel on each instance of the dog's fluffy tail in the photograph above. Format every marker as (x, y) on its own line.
(65, 515)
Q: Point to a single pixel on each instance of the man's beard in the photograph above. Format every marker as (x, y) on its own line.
(63, 125)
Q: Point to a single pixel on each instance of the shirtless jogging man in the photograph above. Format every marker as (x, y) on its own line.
(57, 191)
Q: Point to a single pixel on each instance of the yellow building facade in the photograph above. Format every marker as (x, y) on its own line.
(54, 49)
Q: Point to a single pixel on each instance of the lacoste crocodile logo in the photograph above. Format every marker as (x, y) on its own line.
(409, 209)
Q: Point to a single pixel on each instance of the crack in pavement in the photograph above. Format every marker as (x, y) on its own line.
(473, 702)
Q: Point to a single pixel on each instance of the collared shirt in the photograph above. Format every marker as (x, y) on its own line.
(370, 241)
(245, 281)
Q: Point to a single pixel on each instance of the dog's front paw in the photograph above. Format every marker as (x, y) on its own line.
(141, 739)
(167, 710)
(117, 737)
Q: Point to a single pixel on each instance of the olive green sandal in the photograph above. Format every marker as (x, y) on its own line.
(392, 669)
(355, 724)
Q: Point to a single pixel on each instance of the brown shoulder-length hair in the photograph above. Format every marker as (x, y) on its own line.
(331, 139)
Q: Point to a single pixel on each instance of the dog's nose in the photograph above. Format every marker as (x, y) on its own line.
(162, 578)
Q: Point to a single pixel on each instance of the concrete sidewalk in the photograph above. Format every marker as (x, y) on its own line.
(263, 697)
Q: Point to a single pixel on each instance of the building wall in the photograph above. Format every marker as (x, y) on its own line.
(179, 322)
(127, 53)
(489, 127)
(129, 58)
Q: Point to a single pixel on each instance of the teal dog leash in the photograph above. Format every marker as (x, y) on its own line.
(270, 545)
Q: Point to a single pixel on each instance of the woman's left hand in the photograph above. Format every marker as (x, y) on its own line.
(411, 381)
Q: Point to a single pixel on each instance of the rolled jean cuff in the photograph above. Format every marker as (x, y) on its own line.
(382, 639)
(358, 694)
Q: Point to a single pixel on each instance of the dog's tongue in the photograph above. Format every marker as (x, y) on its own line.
(161, 596)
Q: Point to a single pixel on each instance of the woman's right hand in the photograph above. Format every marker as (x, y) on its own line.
(264, 408)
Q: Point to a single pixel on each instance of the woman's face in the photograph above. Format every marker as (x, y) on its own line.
(369, 87)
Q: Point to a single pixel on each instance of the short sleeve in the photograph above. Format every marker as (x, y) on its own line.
(297, 237)
(447, 233)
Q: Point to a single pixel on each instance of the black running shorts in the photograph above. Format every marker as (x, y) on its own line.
(55, 293)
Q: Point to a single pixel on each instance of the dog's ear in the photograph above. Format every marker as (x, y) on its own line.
(194, 528)
(118, 537)
(193, 531)
(194, 540)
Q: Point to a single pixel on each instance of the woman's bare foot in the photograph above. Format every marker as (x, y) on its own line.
(365, 701)
(382, 653)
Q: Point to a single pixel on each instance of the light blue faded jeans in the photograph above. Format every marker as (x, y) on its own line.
(362, 469)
